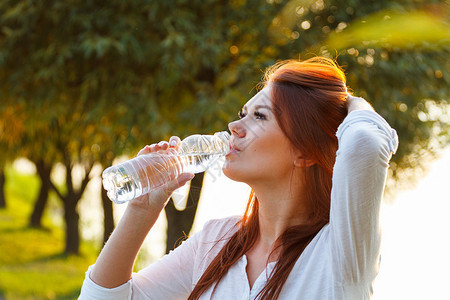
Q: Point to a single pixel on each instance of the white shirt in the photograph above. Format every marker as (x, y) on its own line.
(341, 262)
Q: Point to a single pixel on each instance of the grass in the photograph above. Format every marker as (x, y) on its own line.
(32, 265)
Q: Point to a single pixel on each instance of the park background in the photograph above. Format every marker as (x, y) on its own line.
(84, 85)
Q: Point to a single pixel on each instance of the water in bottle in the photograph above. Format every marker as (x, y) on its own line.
(143, 173)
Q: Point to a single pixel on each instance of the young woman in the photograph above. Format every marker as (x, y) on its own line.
(316, 159)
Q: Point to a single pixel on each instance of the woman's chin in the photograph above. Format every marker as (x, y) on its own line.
(233, 173)
(226, 170)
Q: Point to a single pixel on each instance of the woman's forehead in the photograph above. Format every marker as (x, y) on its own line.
(262, 98)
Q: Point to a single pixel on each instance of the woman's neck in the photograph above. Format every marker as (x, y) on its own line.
(280, 207)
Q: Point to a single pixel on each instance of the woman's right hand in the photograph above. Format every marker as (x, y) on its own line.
(114, 266)
(161, 195)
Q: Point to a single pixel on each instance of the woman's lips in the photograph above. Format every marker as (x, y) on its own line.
(234, 149)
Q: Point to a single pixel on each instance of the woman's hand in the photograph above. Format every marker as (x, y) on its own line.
(357, 103)
(115, 263)
(161, 195)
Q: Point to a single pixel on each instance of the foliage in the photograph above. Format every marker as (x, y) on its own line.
(395, 54)
(101, 80)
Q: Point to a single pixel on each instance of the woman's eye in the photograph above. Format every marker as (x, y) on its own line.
(259, 115)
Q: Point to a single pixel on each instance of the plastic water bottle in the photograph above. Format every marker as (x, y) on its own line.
(140, 175)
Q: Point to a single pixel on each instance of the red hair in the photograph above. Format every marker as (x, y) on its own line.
(309, 103)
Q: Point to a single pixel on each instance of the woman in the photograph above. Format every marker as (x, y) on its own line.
(311, 228)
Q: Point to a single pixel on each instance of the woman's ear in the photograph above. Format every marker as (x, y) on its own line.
(302, 162)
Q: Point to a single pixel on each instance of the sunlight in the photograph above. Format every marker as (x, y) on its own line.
(416, 243)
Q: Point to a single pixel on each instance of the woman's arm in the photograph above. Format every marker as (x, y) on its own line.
(366, 143)
(115, 263)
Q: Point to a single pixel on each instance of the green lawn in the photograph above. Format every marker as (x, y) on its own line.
(31, 263)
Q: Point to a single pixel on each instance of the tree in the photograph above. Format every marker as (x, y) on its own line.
(395, 54)
(11, 133)
(2, 189)
(107, 80)
(225, 63)
(180, 221)
(58, 92)
(44, 171)
(88, 80)
(379, 44)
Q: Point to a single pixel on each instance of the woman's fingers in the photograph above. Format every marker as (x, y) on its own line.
(161, 194)
(163, 145)
(357, 103)
(174, 141)
(144, 150)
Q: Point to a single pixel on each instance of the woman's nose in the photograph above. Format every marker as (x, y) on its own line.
(237, 128)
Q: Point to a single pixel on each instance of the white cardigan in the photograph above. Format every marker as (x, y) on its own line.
(341, 262)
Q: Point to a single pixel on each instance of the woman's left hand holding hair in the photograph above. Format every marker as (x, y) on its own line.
(357, 103)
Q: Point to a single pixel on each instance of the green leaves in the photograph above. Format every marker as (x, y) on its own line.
(84, 81)
(392, 29)
(136, 72)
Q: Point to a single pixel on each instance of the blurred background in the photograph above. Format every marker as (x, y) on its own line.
(84, 85)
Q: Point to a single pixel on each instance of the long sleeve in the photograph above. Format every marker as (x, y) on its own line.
(175, 274)
(171, 276)
(168, 278)
(366, 144)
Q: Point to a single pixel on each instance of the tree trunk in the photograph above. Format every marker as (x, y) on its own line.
(39, 205)
(108, 223)
(180, 223)
(2, 188)
(71, 219)
(70, 201)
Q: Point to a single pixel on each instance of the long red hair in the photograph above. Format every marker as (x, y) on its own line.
(309, 103)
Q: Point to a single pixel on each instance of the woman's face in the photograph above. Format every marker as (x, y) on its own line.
(261, 153)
